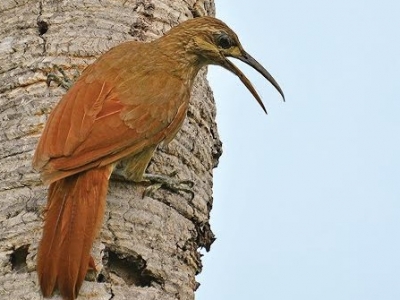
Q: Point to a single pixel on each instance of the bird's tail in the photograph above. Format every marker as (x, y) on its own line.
(75, 211)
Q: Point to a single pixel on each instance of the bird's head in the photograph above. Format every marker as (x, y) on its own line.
(213, 42)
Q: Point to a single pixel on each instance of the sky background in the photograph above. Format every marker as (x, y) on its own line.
(307, 198)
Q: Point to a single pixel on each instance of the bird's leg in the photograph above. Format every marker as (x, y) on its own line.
(64, 80)
(133, 168)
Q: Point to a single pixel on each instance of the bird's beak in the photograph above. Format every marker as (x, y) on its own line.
(248, 59)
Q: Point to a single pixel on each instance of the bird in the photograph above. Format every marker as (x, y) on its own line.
(131, 99)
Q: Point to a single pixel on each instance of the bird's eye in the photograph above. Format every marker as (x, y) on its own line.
(224, 41)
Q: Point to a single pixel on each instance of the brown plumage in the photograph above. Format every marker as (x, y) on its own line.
(127, 102)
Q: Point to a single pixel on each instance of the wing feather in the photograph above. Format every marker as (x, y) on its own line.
(103, 118)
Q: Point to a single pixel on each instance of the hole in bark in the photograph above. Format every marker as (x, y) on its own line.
(101, 278)
(131, 269)
(18, 259)
(43, 27)
(137, 29)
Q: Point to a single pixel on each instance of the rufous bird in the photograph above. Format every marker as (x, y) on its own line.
(131, 99)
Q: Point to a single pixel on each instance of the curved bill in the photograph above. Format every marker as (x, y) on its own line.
(249, 60)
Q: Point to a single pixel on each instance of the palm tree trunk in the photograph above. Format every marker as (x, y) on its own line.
(148, 247)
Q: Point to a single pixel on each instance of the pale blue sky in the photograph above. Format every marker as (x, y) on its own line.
(307, 199)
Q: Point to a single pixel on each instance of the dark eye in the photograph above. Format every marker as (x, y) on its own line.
(224, 41)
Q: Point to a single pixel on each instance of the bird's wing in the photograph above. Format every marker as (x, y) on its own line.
(100, 121)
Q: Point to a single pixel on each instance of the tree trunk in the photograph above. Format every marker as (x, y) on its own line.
(148, 246)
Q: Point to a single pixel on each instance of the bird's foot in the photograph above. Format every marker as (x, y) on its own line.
(155, 182)
(64, 80)
(174, 185)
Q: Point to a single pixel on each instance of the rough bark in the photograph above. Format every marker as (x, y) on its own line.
(148, 247)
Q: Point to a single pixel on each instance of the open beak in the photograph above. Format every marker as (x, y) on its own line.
(248, 59)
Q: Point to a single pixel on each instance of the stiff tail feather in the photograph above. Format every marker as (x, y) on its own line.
(75, 211)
